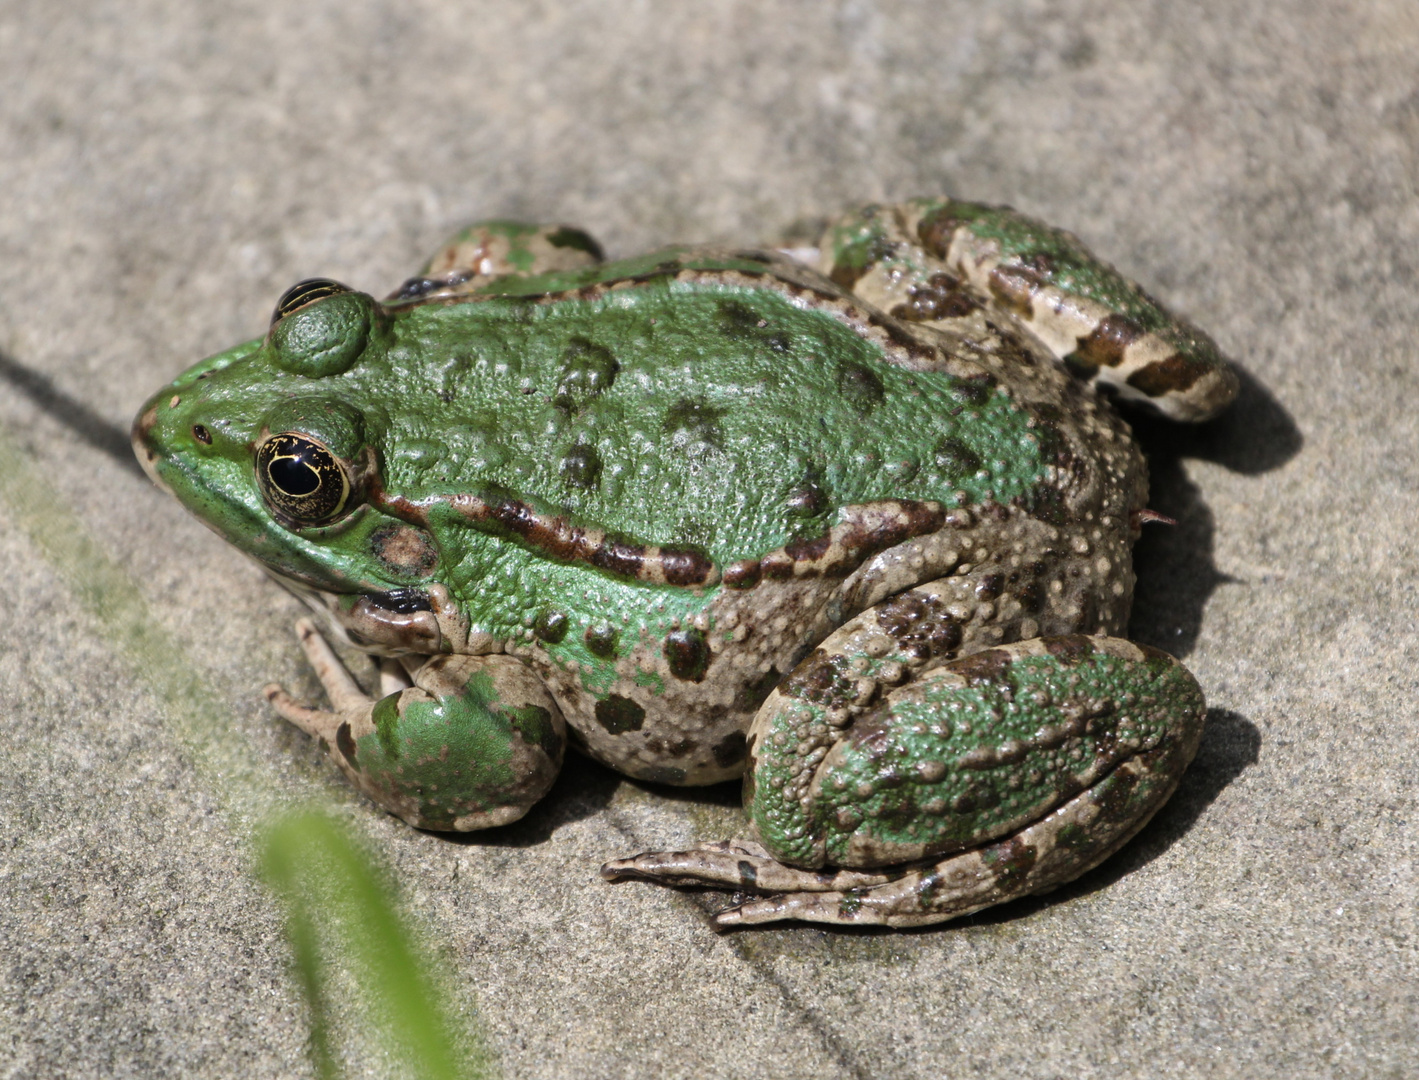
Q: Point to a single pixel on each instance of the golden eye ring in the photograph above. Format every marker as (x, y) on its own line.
(302, 482)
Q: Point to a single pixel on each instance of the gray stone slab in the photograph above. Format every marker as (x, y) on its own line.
(167, 169)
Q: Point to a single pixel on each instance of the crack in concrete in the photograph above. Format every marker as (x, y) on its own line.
(811, 1018)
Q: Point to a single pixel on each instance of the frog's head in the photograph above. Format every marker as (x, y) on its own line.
(275, 446)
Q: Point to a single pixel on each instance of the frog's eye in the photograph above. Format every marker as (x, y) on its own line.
(320, 328)
(302, 482)
(304, 293)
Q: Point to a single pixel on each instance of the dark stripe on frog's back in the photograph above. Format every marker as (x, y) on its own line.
(746, 409)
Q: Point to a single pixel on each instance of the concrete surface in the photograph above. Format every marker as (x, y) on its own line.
(167, 169)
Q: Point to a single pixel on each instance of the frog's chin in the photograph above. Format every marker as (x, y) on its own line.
(404, 622)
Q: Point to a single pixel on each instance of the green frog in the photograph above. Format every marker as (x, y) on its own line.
(853, 522)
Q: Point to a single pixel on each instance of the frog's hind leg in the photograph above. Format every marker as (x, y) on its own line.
(486, 250)
(938, 261)
(1004, 773)
(738, 864)
(1068, 842)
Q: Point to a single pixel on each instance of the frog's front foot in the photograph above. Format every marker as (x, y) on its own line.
(999, 775)
(472, 743)
(346, 695)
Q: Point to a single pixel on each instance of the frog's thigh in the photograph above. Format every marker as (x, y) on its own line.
(1025, 765)
(473, 743)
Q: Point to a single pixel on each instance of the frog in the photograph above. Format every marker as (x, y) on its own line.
(851, 520)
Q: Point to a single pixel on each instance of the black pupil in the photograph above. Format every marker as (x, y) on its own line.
(294, 475)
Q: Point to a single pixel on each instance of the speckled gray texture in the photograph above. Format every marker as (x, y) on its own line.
(167, 169)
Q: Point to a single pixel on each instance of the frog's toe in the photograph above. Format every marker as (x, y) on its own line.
(346, 696)
(743, 865)
(317, 723)
(734, 863)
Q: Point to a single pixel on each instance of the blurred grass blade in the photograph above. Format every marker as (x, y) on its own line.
(333, 899)
(300, 932)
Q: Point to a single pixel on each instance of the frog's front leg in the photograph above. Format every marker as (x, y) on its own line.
(939, 261)
(473, 743)
(997, 775)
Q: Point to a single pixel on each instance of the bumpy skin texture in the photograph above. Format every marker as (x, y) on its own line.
(713, 506)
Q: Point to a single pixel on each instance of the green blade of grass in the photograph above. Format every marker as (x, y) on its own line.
(320, 875)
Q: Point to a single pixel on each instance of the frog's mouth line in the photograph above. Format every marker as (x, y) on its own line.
(389, 622)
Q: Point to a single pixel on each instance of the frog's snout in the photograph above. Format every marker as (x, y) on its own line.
(144, 444)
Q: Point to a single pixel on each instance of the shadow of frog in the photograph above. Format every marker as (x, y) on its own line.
(1176, 570)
